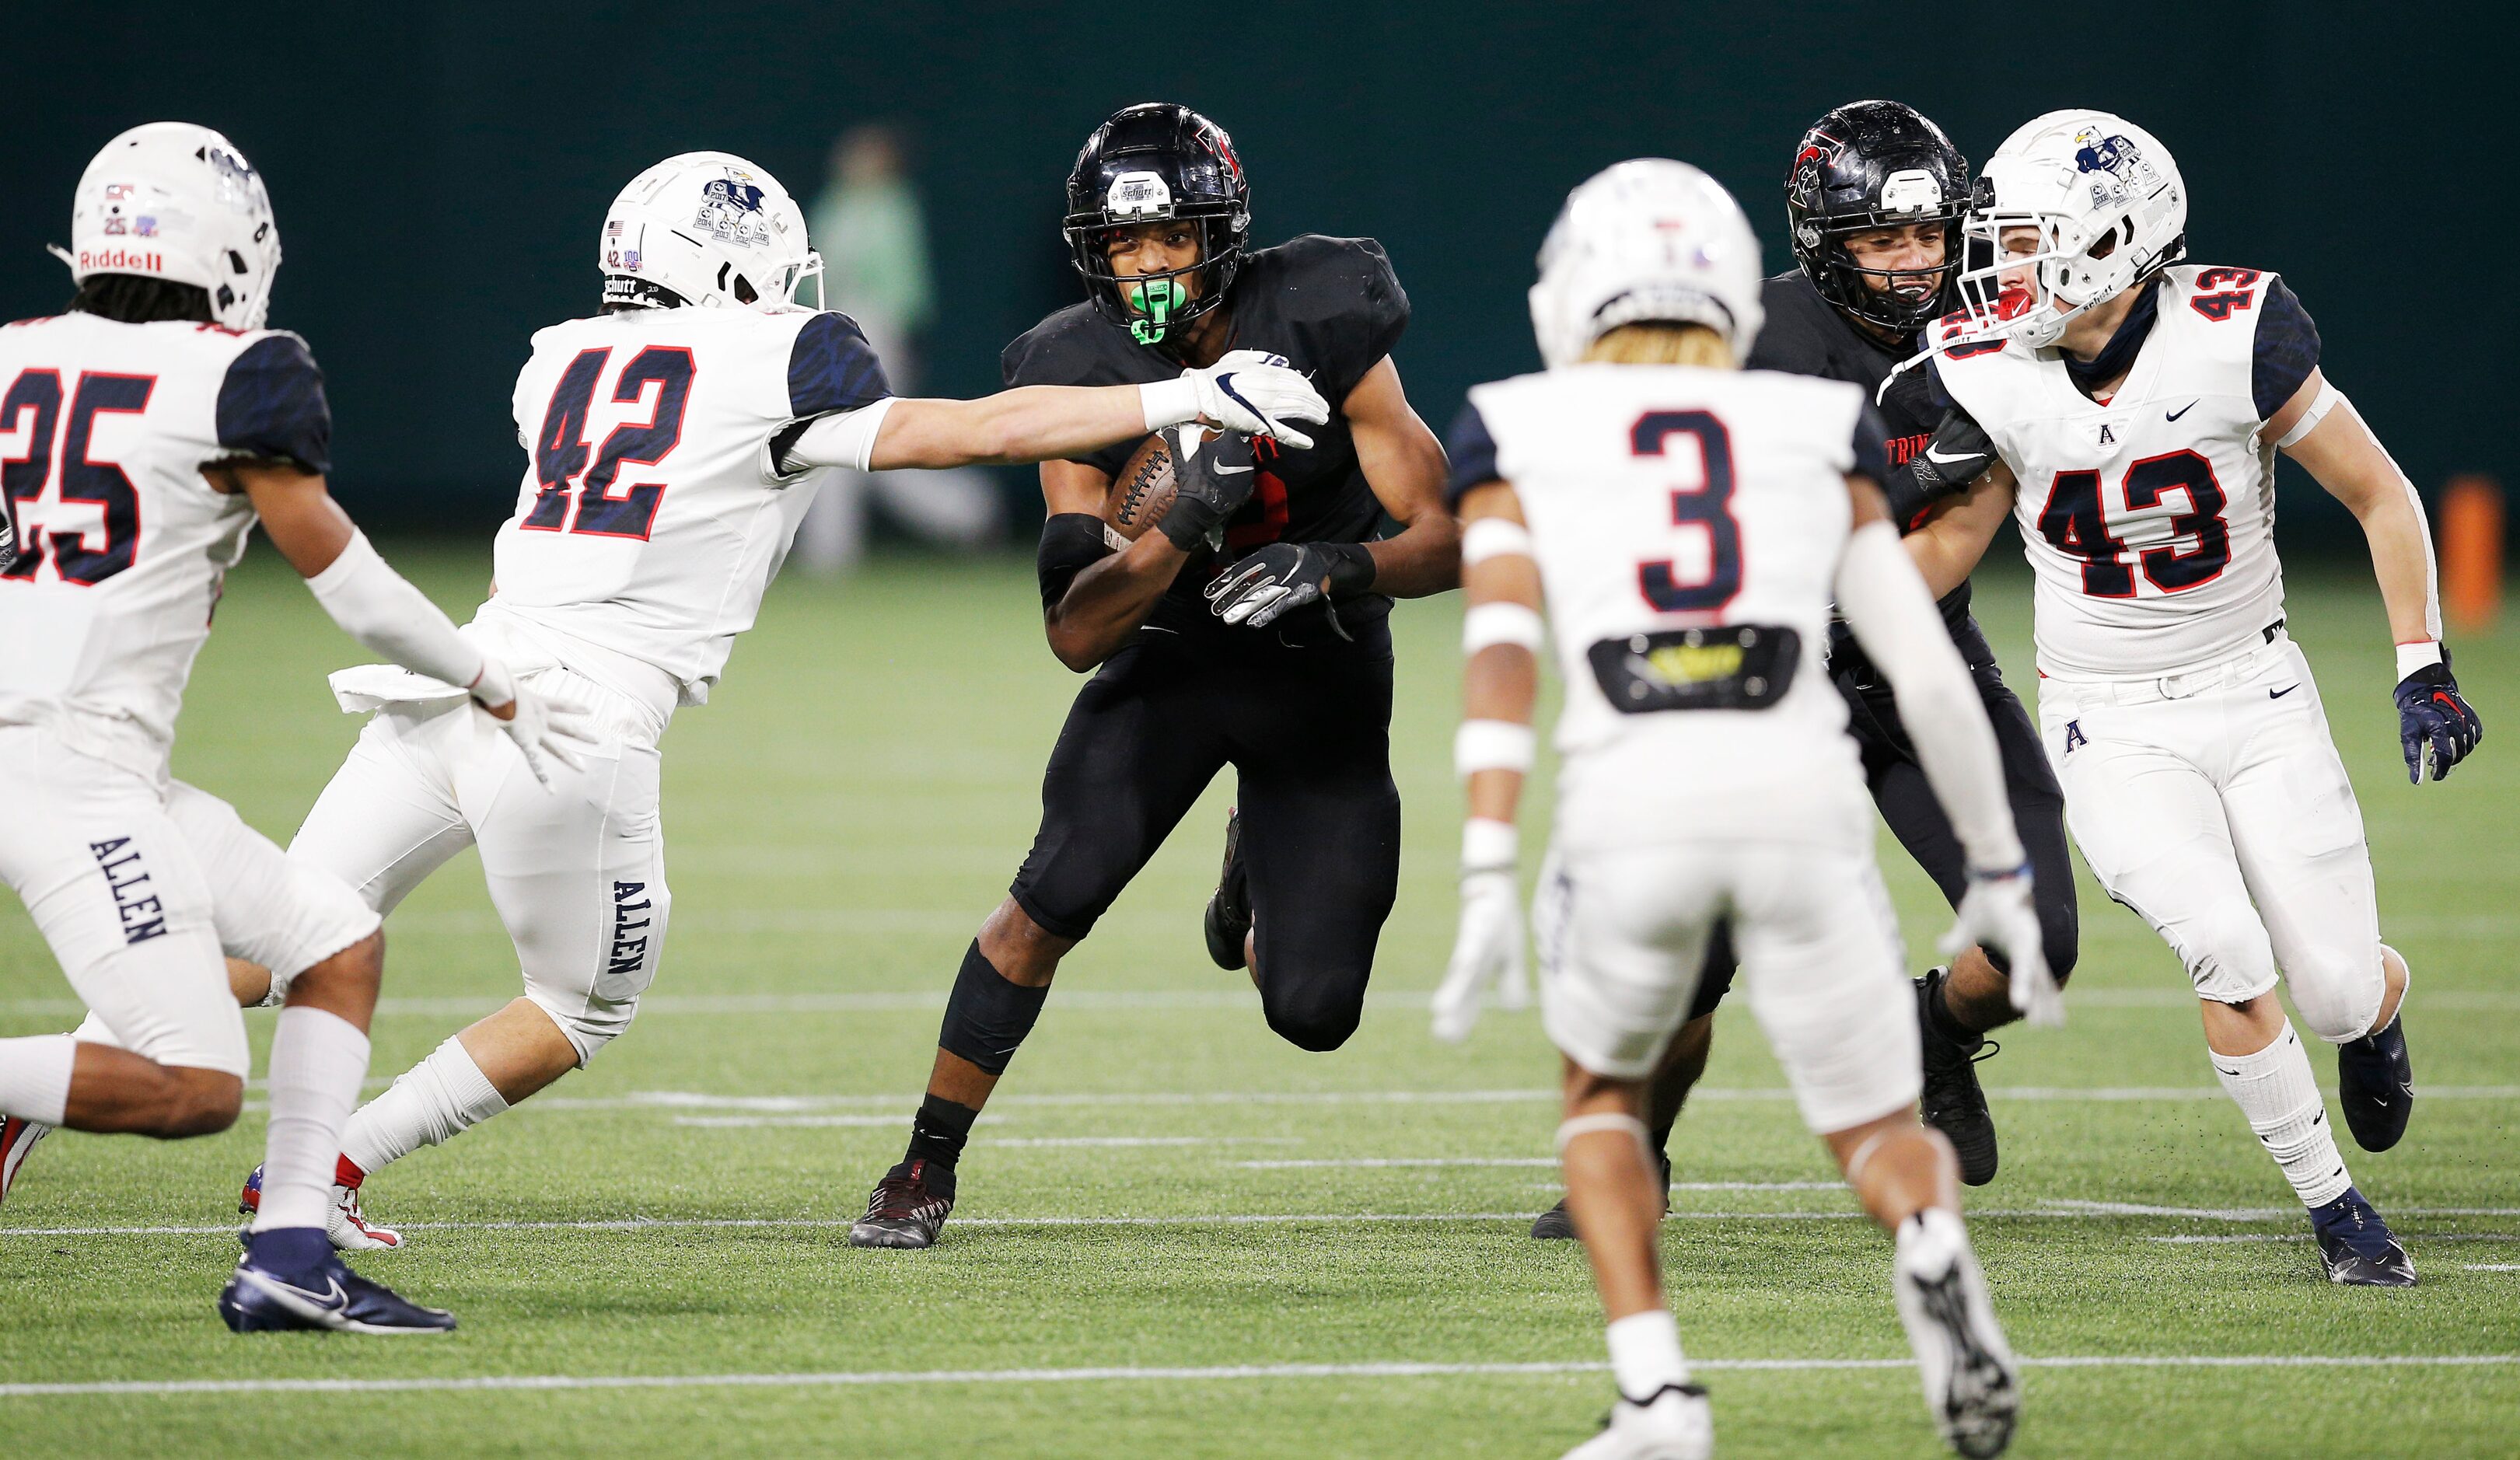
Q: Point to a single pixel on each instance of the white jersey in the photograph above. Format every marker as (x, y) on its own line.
(1666, 498)
(652, 517)
(122, 544)
(2149, 518)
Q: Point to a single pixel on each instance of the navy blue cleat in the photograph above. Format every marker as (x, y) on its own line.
(2358, 1248)
(2375, 1083)
(290, 1279)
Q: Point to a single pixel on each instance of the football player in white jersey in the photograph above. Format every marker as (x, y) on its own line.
(143, 432)
(2138, 403)
(1688, 524)
(675, 440)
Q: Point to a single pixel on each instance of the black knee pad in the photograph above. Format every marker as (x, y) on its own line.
(988, 1015)
(1316, 1022)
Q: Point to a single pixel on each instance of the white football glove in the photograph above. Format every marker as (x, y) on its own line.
(1489, 948)
(1257, 393)
(541, 725)
(1996, 913)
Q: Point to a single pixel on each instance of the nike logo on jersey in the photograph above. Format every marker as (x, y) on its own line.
(2281, 693)
(1228, 471)
(2182, 411)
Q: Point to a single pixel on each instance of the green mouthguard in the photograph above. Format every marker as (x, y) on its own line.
(1157, 302)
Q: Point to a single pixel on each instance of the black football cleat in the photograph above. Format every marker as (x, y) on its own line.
(1557, 1224)
(2358, 1248)
(1228, 908)
(2375, 1083)
(268, 1296)
(1953, 1102)
(17, 1138)
(907, 1209)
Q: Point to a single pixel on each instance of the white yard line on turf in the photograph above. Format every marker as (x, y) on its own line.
(173, 1387)
(2492, 1266)
(2054, 1210)
(2419, 1238)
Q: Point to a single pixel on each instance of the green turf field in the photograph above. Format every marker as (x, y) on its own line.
(1164, 1190)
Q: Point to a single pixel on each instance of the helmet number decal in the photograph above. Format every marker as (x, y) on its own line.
(566, 466)
(1708, 506)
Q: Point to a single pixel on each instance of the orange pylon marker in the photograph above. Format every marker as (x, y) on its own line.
(2471, 552)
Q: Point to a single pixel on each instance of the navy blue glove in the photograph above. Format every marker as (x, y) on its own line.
(2436, 726)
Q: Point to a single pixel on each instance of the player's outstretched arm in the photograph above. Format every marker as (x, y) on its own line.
(2319, 428)
(379, 607)
(1949, 544)
(1886, 603)
(1501, 637)
(1246, 393)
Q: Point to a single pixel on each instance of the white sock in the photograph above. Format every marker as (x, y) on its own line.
(318, 1061)
(35, 1077)
(2275, 1089)
(434, 1100)
(1928, 1243)
(1644, 1353)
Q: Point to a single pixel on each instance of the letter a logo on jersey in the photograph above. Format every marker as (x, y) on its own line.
(2108, 436)
(2074, 736)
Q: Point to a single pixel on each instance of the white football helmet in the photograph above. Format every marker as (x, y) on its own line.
(2109, 208)
(1648, 239)
(708, 229)
(178, 202)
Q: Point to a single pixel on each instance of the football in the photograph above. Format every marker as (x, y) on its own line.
(1143, 492)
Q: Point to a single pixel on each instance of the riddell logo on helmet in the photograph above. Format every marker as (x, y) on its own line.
(113, 260)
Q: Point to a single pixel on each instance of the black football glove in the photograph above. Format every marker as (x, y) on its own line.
(2435, 727)
(1958, 454)
(1212, 483)
(8, 543)
(1284, 577)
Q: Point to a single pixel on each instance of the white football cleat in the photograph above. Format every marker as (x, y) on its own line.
(1674, 1423)
(343, 1222)
(17, 1136)
(1972, 1385)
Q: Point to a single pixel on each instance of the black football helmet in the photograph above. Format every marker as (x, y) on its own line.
(1875, 165)
(1150, 162)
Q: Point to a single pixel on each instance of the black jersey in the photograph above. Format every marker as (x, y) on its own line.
(1332, 307)
(1806, 335)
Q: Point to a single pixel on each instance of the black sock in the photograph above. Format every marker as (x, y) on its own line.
(938, 1132)
(1938, 1009)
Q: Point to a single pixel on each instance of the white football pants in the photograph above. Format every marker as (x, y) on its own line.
(577, 873)
(2214, 804)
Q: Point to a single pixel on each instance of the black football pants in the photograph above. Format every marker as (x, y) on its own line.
(1304, 717)
(1907, 802)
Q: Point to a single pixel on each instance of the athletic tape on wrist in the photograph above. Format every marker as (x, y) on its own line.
(1169, 403)
(2327, 399)
(1489, 845)
(1489, 624)
(1493, 745)
(2421, 653)
(1494, 537)
(1586, 1124)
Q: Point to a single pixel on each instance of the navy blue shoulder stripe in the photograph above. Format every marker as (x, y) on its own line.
(832, 369)
(2286, 350)
(1473, 454)
(271, 405)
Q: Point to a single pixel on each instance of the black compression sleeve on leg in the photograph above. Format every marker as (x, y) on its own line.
(988, 1014)
(1070, 543)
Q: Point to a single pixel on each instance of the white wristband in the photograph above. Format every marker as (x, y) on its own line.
(1489, 846)
(1173, 401)
(2327, 399)
(1489, 624)
(2420, 654)
(1493, 745)
(1494, 537)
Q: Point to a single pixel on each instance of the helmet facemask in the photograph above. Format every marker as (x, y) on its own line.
(2032, 296)
(1155, 306)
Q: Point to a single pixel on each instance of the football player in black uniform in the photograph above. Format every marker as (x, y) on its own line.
(1874, 203)
(1264, 647)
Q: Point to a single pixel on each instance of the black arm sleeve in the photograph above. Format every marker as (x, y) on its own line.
(1473, 454)
(271, 405)
(1070, 543)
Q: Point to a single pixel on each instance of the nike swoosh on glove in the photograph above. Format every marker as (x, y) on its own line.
(1284, 577)
(1257, 393)
(1211, 481)
(544, 726)
(2436, 726)
(1998, 912)
(1959, 453)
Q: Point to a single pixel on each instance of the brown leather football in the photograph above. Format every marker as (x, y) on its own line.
(1142, 493)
